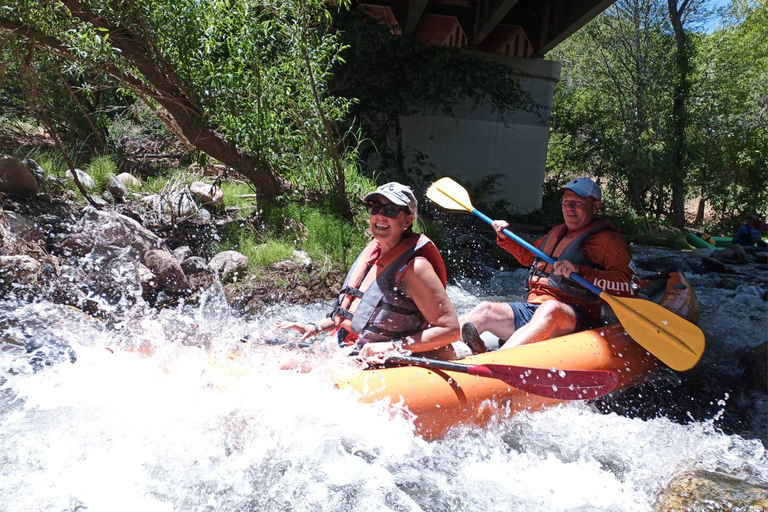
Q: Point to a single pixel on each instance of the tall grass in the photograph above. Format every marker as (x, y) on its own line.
(328, 235)
(100, 169)
(51, 161)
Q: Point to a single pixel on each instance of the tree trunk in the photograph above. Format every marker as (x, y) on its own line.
(700, 210)
(165, 88)
(679, 113)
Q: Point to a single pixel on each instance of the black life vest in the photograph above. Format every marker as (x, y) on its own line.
(370, 305)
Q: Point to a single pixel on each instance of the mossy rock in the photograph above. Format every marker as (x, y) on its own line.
(713, 492)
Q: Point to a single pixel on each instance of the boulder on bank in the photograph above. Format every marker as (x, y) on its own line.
(734, 255)
(170, 276)
(207, 195)
(15, 178)
(111, 230)
(83, 177)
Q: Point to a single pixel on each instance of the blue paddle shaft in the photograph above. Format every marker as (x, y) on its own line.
(576, 277)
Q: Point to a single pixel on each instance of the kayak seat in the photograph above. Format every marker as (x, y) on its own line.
(653, 289)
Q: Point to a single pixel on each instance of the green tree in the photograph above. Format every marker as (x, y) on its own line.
(244, 82)
(730, 113)
(608, 115)
(658, 114)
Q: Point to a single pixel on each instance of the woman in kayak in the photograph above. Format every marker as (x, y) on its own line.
(393, 297)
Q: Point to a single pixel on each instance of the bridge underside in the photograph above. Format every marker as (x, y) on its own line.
(520, 28)
(476, 143)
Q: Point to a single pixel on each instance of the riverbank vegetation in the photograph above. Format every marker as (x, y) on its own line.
(292, 108)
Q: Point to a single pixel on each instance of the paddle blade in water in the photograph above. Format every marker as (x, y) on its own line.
(674, 340)
(449, 194)
(553, 383)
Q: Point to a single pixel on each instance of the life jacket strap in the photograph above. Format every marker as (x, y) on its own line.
(348, 290)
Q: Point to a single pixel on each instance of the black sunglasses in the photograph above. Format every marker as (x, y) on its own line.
(391, 210)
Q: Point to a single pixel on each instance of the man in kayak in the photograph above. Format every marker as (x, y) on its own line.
(556, 305)
(393, 297)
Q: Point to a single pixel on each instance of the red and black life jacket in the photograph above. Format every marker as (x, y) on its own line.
(370, 304)
(560, 248)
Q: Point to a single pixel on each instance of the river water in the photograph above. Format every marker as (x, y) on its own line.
(155, 416)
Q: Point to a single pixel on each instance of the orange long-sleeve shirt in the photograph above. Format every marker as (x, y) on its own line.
(606, 248)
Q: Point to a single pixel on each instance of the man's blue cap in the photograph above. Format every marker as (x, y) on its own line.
(584, 187)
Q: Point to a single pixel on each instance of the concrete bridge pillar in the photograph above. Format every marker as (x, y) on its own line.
(478, 143)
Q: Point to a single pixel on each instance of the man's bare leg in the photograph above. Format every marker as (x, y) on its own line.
(494, 317)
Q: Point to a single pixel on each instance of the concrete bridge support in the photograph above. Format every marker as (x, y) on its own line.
(479, 143)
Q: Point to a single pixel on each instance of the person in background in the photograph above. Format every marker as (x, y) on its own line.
(556, 305)
(394, 296)
(748, 234)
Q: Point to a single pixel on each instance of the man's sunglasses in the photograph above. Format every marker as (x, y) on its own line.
(391, 210)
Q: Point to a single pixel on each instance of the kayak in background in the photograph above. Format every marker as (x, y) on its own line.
(707, 242)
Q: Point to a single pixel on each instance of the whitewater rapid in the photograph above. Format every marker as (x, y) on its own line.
(155, 415)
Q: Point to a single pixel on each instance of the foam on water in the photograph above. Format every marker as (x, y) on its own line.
(188, 429)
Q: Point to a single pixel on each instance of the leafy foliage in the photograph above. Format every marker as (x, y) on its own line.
(613, 110)
(243, 81)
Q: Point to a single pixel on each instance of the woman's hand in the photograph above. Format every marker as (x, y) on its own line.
(375, 351)
(306, 330)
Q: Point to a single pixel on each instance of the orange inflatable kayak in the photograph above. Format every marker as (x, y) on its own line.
(441, 399)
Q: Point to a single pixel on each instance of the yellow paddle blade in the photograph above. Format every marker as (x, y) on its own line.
(672, 339)
(449, 194)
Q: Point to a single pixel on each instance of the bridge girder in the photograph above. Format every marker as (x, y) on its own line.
(544, 23)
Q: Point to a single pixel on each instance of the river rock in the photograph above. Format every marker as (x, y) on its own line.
(194, 265)
(37, 171)
(116, 188)
(734, 254)
(148, 281)
(20, 269)
(103, 200)
(22, 227)
(182, 253)
(283, 266)
(208, 195)
(176, 203)
(15, 178)
(715, 265)
(761, 258)
(301, 258)
(713, 492)
(170, 276)
(77, 245)
(128, 180)
(228, 265)
(83, 177)
(701, 253)
(755, 364)
(111, 230)
(47, 351)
